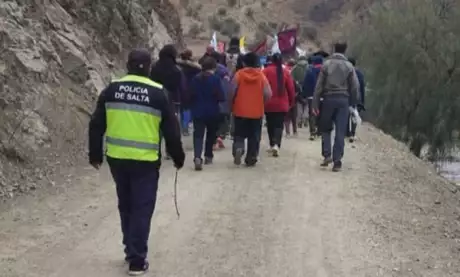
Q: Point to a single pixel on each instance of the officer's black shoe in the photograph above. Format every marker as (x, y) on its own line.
(198, 164)
(138, 269)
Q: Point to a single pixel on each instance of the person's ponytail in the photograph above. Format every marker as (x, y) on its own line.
(278, 61)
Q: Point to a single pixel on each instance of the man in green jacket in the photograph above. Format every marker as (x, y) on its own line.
(298, 74)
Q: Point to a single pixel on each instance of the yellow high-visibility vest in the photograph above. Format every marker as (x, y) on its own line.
(133, 130)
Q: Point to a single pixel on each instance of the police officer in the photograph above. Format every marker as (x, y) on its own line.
(134, 113)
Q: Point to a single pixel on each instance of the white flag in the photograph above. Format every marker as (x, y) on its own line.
(214, 41)
(275, 47)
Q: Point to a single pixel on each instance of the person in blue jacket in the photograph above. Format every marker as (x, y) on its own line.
(224, 125)
(207, 93)
(308, 88)
(362, 91)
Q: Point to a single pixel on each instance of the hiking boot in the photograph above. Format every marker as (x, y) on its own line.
(250, 162)
(138, 269)
(337, 166)
(198, 164)
(207, 160)
(326, 162)
(238, 156)
(276, 151)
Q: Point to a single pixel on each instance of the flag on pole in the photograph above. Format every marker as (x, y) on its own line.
(221, 47)
(275, 47)
(213, 42)
(261, 48)
(242, 42)
(287, 41)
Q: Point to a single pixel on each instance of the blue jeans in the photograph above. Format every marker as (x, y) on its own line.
(334, 112)
(186, 119)
(137, 184)
(202, 126)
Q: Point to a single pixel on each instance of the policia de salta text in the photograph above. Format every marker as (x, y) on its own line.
(134, 114)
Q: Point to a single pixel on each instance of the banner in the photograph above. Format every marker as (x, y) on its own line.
(287, 41)
(261, 48)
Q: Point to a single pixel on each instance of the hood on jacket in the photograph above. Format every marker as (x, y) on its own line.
(188, 63)
(250, 74)
(168, 52)
(222, 71)
(317, 60)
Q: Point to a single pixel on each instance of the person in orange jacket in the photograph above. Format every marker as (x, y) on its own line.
(250, 91)
(282, 100)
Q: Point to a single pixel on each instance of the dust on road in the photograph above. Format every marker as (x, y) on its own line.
(284, 218)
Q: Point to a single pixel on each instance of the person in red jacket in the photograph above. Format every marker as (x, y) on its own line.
(283, 98)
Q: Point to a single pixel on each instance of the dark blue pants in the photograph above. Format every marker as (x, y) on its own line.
(250, 129)
(334, 113)
(202, 126)
(136, 184)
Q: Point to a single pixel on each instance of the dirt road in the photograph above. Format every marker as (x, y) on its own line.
(386, 214)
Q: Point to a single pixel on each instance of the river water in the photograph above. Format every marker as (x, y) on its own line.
(451, 171)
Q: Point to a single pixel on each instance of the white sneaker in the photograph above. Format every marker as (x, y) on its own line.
(276, 151)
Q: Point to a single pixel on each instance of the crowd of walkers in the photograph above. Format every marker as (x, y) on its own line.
(222, 95)
(230, 95)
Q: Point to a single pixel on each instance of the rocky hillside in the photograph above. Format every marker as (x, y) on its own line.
(318, 19)
(55, 56)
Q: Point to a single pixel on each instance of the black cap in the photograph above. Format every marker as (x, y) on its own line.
(139, 59)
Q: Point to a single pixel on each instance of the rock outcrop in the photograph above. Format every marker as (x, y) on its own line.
(56, 55)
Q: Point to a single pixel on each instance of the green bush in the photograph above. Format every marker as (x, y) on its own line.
(215, 23)
(409, 51)
(222, 11)
(232, 3)
(195, 30)
(249, 12)
(230, 27)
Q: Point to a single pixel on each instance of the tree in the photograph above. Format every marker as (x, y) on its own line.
(410, 53)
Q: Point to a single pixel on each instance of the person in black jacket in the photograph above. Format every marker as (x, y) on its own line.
(131, 113)
(166, 72)
(190, 69)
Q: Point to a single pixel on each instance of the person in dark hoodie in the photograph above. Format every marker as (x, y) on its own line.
(190, 69)
(131, 114)
(166, 72)
(308, 89)
(206, 94)
(362, 91)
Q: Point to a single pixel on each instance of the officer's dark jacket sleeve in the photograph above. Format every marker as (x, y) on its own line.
(171, 132)
(97, 127)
